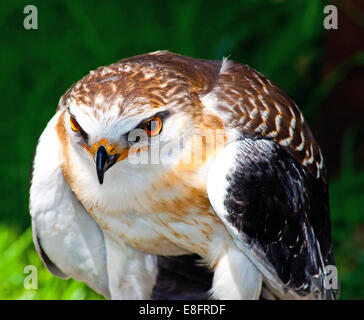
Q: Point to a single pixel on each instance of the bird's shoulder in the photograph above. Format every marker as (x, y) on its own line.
(253, 106)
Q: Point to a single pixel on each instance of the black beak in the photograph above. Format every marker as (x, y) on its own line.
(104, 161)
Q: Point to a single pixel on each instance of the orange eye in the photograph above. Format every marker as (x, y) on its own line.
(74, 125)
(153, 126)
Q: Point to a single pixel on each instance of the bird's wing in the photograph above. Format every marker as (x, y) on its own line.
(277, 214)
(68, 240)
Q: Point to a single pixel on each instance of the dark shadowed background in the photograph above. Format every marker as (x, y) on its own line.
(323, 71)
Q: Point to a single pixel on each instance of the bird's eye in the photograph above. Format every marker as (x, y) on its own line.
(74, 125)
(153, 126)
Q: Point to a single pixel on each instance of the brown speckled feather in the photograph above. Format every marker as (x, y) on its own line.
(261, 109)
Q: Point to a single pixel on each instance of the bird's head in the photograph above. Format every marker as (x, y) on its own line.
(132, 116)
(129, 141)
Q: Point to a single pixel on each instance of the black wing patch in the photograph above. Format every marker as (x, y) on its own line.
(283, 213)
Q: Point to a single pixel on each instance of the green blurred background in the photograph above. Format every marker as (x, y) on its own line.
(323, 71)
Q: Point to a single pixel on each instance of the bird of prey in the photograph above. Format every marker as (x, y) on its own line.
(161, 156)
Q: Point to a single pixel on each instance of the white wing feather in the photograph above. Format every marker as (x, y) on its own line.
(70, 238)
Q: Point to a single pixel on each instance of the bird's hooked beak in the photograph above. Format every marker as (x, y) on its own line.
(105, 156)
(104, 161)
